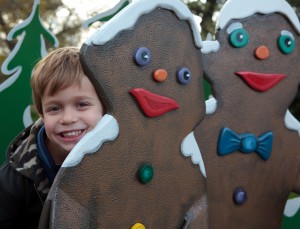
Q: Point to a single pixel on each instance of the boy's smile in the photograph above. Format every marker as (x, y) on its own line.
(68, 115)
(72, 135)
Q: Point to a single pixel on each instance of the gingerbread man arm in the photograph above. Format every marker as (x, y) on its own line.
(291, 122)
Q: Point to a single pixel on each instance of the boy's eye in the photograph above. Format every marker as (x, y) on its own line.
(142, 56)
(184, 76)
(82, 104)
(53, 109)
(239, 38)
(286, 43)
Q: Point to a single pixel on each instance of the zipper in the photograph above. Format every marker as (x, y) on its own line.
(42, 202)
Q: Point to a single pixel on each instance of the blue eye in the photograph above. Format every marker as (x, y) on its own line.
(286, 44)
(239, 38)
(184, 76)
(142, 56)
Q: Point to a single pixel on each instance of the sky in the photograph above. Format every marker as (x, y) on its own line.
(83, 7)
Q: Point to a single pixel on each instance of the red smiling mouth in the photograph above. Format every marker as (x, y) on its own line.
(153, 105)
(259, 81)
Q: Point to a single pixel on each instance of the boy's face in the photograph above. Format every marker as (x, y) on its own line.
(68, 115)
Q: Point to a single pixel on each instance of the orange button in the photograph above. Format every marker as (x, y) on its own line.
(262, 52)
(160, 75)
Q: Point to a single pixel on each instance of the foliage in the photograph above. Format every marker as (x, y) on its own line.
(67, 29)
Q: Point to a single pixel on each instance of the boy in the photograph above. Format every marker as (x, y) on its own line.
(69, 107)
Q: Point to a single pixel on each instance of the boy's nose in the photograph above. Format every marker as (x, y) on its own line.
(68, 116)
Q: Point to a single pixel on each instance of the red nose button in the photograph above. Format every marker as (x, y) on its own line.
(262, 52)
(160, 75)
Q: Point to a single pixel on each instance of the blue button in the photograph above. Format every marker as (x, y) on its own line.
(239, 196)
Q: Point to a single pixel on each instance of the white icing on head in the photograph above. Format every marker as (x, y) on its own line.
(127, 18)
(238, 9)
(287, 33)
(234, 26)
(210, 47)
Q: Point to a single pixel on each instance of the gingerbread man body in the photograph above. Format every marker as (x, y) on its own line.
(251, 158)
(146, 67)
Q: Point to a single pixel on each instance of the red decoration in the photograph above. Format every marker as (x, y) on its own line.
(259, 81)
(153, 105)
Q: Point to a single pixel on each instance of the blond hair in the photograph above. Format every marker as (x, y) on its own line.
(60, 69)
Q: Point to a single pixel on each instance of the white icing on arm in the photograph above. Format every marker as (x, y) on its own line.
(292, 206)
(211, 105)
(291, 122)
(189, 148)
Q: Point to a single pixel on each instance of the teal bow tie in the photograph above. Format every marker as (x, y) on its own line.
(230, 141)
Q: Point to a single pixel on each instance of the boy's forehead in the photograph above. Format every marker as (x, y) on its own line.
(55, 86)
(78, 88)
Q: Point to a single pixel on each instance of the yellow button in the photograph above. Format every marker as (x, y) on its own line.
(138, 226)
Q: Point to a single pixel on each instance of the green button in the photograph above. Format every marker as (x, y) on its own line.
(145, 173)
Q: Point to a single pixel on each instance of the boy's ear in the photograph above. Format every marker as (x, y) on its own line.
(41, 116)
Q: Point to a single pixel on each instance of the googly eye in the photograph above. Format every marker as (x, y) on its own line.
(286, 44)
(142, 56)
(184, 76)
(239, 38)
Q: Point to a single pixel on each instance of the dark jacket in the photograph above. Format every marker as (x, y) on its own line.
(23, 183)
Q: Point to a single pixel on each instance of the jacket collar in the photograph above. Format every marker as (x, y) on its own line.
(23, 157)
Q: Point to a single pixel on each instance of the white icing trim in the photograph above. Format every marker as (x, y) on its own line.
(27, 120)
(234, 26)
(198, 21)
(189, 148)
(291, 122)
(107, 129)
(106, 13)
(291, 207)
(237, 9)
(210, 46)
(211, 105)
(287, 33)
(127, 18)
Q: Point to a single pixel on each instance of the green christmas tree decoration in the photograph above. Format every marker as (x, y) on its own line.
(15, 92)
